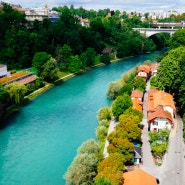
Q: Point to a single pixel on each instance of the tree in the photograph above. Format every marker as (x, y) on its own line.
(90, 147)
(104, 113)
(122, 146)
(114, 160)
(64, 55)
(140, 83)
(82, 170)
(168, 69)
(120, 104)
(75, 64)
(39, 59)
(90, 57)
(4, 97)
(84, 166)
(113, 89)
(16, 92)
(49, 72)
(178, 39)
(105, 58)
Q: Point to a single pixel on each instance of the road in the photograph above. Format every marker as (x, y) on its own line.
(172, 170)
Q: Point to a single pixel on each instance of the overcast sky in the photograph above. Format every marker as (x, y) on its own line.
(127, 5)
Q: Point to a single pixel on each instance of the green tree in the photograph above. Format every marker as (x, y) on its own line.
(16, 92)
(75, 64)
(49, 72)
(104, 113)
(64, 55)
(82, 170)
(140, 83)
(120, 104)
(39, 59)
(105, 58)
(113, 89)
(178, 39)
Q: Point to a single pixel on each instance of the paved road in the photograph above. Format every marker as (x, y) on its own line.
(171, 172)
(172, 169)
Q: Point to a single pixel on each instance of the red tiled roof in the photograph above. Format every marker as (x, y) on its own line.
(144, 68)
(157, 98)
(138, 177)
(159, 113)
(137, 104)
(27, 80)
(137, 94)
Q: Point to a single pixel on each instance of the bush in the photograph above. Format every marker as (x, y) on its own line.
(104, 113)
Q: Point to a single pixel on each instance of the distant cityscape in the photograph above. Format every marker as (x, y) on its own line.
(39, 13)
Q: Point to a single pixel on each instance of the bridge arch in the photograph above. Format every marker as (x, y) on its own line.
(152, 31)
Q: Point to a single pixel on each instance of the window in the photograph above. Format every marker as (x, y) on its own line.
(155, 123)
(166, 123)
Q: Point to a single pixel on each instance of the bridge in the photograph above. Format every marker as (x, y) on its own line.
(152, 31)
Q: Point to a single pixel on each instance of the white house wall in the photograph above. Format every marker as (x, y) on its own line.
(161, 124)
(3, 70)
(142, 74)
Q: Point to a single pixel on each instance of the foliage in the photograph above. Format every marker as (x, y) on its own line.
(101, 181)
(122, 146)
(105, 58)
(140, 84)
(127, 88)
(4, 97)
(113, 89)
(64, 55)
(159, 142)
(16, 92)
(39, 59)
(153, 82)
(111, 175)
(82, 169)
(114, 160)
(104, 113)
(120, 104)
(84, 166)
(49, 72)
(75, 64)
(90, 147)
(178, 39)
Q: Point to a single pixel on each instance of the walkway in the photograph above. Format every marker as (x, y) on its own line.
(148, 163)
(111, 129)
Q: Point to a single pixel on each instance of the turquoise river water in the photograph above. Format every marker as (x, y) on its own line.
(41, 139)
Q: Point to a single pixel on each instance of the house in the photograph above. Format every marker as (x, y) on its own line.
(137, 154)
(138, 177)
(108, 50)
(153, 69)
(161, 110)
(3, 70)
(160, 119)
(143, 71)
(137, 94)
(137, 104)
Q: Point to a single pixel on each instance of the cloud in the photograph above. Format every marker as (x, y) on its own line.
(132, 5)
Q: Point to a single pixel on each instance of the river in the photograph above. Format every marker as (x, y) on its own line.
(41, 139)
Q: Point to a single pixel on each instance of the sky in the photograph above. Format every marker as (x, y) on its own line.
(123, 5)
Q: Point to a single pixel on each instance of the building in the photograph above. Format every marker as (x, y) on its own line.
(3, 70)
(161, 110)
(143, 71)
(154, 68)
(37, 13)
(138, 177)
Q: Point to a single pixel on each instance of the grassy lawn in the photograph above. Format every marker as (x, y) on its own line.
(31, 70)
